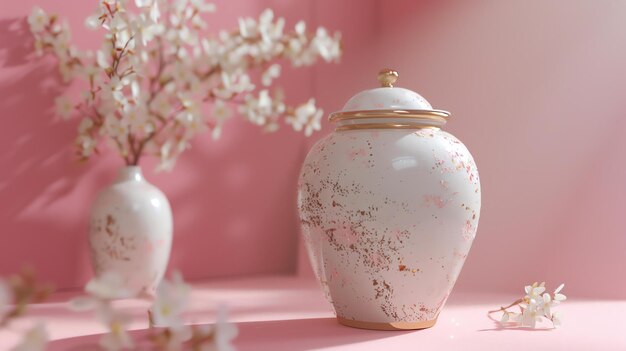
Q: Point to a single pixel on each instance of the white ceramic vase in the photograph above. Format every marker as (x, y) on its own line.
(389, 205)
(130, 231)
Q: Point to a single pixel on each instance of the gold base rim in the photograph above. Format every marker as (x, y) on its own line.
(386, 326)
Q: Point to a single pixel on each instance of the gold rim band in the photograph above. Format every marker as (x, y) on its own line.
(387, 326)
(383, 126)
(438, 115)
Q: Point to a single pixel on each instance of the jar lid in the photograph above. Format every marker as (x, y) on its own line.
(390, 102)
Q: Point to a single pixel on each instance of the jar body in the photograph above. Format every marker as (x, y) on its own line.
(130, 232)
(388, 217)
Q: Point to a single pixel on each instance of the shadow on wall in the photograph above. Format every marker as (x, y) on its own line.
(234, 203)
(35, 155)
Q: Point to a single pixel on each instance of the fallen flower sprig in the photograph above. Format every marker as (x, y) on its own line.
(534, 307)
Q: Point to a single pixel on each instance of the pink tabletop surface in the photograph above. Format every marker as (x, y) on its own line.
(287, 313)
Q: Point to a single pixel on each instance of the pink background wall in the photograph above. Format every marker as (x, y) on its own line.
(537, 92)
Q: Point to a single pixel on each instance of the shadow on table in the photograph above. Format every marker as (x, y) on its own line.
(498, 326)
(293, 335)
(303, 334)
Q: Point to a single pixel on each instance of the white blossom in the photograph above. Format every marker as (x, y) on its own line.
(259, 110)
(115, 128)
(155, 12)
(271, 73)
(545, 304)
(327, 47)
(102, 59)
(534, 292)
(85, 125)
(167, 311)
(117, 338)
(248, 27)
(169, 152)
(93, 22)
(530, 315)
(144, 3)
(233, 84)
(221, 112)
(146, 29)
(64, 106)
(202, 5)
(171, 301)
(160, 105)
(225, 332)
(37, 20)
(556, 319)
(220, 335)
(557, 294)
(35, 339)
(86, 145)
(300, 28)
(101, 290)
(307, 117)
(116, 25)
(190, 116)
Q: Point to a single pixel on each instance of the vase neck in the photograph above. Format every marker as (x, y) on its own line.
(129, 173)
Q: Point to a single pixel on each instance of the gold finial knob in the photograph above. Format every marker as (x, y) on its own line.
(387, 77)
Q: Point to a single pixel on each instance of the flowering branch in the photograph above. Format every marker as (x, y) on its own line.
(20, 290)
(168, 330)
(533, 307)
(157, 71)
(16, 293)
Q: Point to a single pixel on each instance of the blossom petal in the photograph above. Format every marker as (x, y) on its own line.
(35, 339)
(558, 290)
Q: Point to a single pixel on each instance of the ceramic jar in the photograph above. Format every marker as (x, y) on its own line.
(389, 205)
(130, 231)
